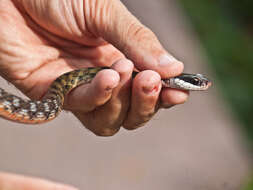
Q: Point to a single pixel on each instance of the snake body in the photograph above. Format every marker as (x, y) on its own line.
(20, 110)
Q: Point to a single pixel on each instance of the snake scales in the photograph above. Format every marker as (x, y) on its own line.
(20, 110)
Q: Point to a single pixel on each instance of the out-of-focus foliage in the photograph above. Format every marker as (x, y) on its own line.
(249, 186)
(225, 29)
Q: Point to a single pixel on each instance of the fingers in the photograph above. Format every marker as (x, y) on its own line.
(148, 97)
(170, 97)
(106, 120)
(89, 96)
(16, 182)
(103, 105)
(90, 21)
(118, 26)
(145, 96)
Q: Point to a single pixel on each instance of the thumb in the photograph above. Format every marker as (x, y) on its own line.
(119, 27)
(109, 19)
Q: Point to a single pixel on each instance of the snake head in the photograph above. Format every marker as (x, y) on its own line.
(203, 82)
(188, 82)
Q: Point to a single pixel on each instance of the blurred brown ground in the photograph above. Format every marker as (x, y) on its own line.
(195, 146)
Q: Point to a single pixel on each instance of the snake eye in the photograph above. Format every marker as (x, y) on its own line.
(195, 81)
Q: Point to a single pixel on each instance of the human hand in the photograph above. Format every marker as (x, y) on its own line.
(17, 182)
(40, 40)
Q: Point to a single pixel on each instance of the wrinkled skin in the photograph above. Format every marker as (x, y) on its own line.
(42, 39)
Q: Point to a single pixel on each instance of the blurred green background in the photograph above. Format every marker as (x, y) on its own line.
(225, 29)
(249, 186)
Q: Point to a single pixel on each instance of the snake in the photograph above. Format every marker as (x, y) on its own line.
(28, 111)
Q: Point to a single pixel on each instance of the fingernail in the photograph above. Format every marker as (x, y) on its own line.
(167, 60)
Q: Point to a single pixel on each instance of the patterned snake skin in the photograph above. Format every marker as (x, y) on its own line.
(19, 110)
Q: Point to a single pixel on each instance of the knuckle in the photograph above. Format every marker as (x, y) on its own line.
(138, 31)
(105, 55)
